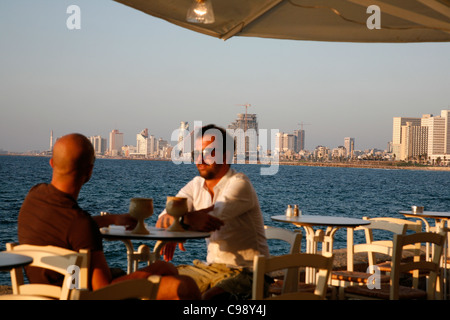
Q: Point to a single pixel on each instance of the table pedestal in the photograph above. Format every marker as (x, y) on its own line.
(161, 236)
(313, 238)
(142, 254)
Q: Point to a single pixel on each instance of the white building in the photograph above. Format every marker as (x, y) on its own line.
(99, 144)
(322, 152)
(349, 145)
(427, 138)
(142, 143)
(397, 132)
(414, 141)
(115, 142)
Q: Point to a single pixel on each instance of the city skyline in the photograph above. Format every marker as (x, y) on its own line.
(129, 139)
(126, 70)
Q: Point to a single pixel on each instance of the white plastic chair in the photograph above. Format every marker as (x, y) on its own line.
(52, 258)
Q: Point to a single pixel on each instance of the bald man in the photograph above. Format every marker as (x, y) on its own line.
(50, 215)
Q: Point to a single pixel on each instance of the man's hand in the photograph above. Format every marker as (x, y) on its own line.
(165, 221)
(125, 220)
(169, 249)
(201, 220)
(107, 219)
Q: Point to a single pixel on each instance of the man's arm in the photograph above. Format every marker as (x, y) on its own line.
(201, 220)
(236, 199)
(100, 272)
(116, 219)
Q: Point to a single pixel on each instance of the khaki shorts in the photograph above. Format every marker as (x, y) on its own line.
(235, 281)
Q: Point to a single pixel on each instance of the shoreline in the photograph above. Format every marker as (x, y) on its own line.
(363, 164)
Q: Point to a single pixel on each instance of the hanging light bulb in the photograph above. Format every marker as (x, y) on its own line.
(201, 11)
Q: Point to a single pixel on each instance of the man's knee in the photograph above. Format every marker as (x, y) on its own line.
(178, 288)
(161, 268)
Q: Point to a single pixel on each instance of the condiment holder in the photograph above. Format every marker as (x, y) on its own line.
(417, 209)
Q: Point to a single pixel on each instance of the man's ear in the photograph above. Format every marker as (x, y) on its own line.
(51, 162)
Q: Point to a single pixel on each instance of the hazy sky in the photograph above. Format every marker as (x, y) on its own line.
(129, 71)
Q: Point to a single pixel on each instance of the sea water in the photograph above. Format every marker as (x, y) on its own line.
(347, 192)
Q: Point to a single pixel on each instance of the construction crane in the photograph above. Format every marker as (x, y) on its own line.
(303, 124)
(245, 119)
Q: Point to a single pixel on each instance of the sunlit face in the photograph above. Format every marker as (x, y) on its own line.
(208, 161)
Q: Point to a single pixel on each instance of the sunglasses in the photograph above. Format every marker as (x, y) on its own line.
(206, 153)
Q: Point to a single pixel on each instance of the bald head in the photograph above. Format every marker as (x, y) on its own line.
(73, 157)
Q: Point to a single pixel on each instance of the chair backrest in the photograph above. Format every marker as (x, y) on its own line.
(437, 241)
(372, 245)
(60, 260)
(294, 239)
(415, 226)
(142, 289)
(322, 263)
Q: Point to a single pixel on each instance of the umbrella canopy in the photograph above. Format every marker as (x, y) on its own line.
(318, 20)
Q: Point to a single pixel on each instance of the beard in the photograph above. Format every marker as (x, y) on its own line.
(208, 172)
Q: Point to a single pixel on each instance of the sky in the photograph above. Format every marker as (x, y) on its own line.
(129, 71)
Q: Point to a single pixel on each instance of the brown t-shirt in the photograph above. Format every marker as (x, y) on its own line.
(51, 217)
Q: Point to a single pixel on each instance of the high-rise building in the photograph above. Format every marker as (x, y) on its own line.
(99, 144)
(426, 138)
(142, 143)
(245, 123)
(289, 142)
(436, 134)
(278, 142)
(146, 145)
(300, 145)
(349, 145)
(414, 141)
(115, 142)
(397, 132)
(446, 115)
(153, 144)
(183, 130)
(245, 129)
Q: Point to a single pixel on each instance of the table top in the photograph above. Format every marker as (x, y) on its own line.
(427, 214)
(13, 260)
(308, 220)
(155, 234)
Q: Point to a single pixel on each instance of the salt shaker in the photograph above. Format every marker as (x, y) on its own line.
(296, 211)
(289, 211)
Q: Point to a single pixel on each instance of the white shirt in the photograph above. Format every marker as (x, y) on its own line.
(236, 203)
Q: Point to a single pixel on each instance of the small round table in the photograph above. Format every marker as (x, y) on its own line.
(9, 261)
(162, 236)
(326, 238)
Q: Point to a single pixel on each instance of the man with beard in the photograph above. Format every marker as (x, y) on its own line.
(223, 202)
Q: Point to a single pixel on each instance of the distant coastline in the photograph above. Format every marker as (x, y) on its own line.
(364, 164)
